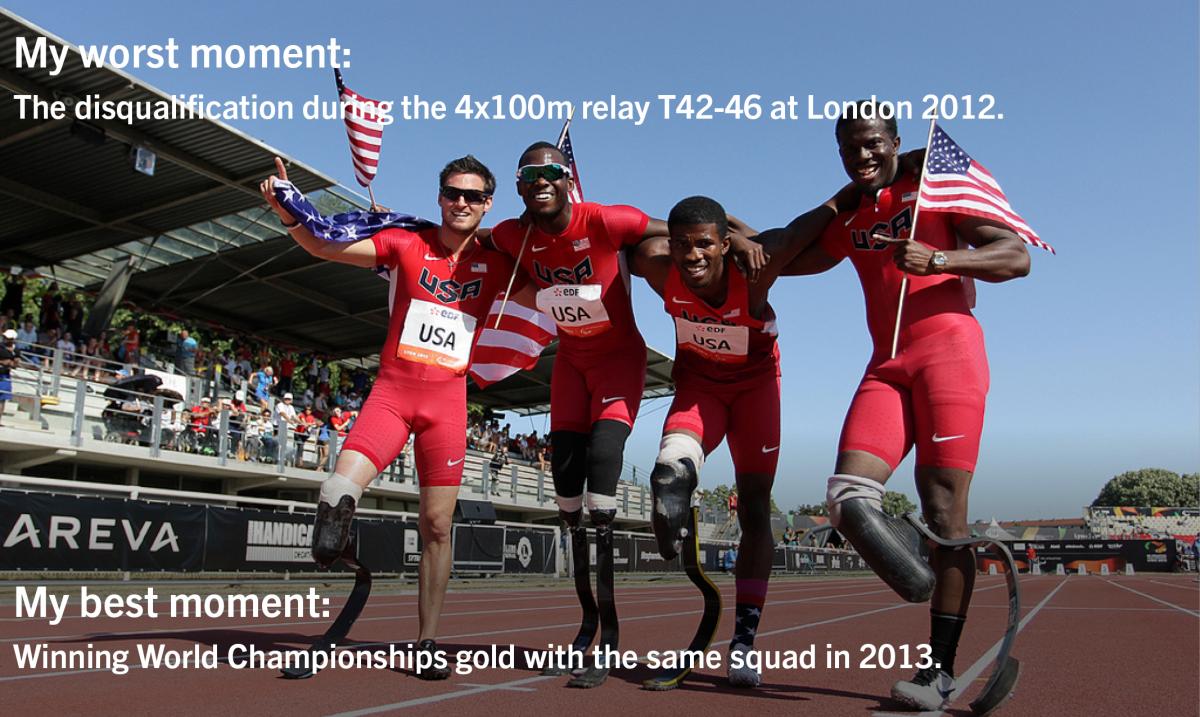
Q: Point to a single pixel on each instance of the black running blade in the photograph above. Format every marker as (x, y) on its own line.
(1001, 690)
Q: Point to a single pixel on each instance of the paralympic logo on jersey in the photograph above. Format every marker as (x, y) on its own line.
(449, 291)
(862, 237)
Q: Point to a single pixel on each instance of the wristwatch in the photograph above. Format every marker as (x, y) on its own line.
(938, 262)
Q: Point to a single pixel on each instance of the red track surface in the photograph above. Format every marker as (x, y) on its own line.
(1091, 645)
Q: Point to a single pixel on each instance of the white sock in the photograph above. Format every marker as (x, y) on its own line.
(338, 485)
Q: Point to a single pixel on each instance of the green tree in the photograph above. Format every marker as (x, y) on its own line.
(897, 504)
(1151, 487)
(814, 509)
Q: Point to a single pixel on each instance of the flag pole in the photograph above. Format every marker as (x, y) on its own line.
(913, 234)
(520, 253)
(371, 193)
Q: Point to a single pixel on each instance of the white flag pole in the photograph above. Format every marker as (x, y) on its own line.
(912, 234)
(521, 252)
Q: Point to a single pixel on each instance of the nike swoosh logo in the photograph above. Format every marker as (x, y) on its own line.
(610, 399)
(940, 439)
(536, 249)
(769, 450)
(429, 257)
(677, 301)
(451, 463)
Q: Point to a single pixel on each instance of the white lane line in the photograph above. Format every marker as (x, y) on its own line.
(1191, 587)
(976, 669)
(1180, 608)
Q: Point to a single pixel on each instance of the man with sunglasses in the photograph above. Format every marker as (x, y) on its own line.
(443, 283)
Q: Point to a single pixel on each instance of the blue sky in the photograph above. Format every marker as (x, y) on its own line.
(1094, 356)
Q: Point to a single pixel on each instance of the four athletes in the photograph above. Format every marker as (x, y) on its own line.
(930, 395)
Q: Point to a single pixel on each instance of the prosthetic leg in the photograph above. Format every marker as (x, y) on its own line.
(593, 676)
(590, 620)
(1006, 669)
(345, 619)
(710, 619)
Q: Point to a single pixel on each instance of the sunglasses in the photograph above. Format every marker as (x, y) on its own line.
(550, 172)
(473, 196)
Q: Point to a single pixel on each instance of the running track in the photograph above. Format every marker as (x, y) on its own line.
(1092, 645)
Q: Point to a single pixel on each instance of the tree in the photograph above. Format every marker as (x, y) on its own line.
(814, 509)
(1151, 487)
(897, 504)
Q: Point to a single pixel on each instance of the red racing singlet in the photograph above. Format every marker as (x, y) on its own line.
(436, 305)
(932, 302)
(722, 344)
(581, 274)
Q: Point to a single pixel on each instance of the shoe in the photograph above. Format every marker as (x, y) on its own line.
(331, 530)
(929, 689)
(743, 676)
(433, 672)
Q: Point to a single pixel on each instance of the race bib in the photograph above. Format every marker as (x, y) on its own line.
(576, 308)
(716, 342)
(437, 335)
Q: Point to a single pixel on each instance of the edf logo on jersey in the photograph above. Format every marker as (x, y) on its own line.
(862, 237)
(563, 275)
(448, 291)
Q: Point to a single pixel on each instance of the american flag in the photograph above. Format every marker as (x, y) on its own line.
(957, 184)
(364, 129)
(499, 353)
(564, 145)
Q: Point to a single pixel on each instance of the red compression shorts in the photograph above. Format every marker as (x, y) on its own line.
(745, 413)
(605, 387)
(435, 410)
(932, 394)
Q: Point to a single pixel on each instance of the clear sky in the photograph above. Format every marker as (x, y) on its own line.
(1094, 356)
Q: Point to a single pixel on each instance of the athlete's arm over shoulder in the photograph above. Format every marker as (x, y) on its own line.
(816, 258)
(651, 259)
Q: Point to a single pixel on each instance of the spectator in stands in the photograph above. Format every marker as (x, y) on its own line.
(185, 353)
(66, 347)
(306, 422)
(91, 359)
(237, 423)
(14, 292)
(73, 317)
(262, 382)
(543, 457)
(8, 361)
(270, 447)
(131, 345)
(200, 424)
(27, 335)
(730, 558)
(287, 367)
(51, 309)
(499, 460)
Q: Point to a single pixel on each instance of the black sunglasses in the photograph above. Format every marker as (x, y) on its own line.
(473, 196)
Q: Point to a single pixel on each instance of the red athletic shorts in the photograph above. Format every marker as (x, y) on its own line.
(745, 413)
(435, 410)
(932, 394)
(584, 390)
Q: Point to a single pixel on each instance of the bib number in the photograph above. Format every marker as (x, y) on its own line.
(436, 335)
(716, 342)
(578, 309)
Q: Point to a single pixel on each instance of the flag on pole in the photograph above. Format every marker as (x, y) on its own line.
(499, 353)
(955, 183)
(363, 128)
(564, 145)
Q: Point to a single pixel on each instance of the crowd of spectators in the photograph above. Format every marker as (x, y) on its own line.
(487, 436)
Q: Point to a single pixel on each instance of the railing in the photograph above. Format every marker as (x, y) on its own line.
(159, 425)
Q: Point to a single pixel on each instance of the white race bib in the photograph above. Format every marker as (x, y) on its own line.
(437, 335)
(577, 308)
(716, 342)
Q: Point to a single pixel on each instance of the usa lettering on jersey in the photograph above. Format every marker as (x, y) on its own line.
(448, 291)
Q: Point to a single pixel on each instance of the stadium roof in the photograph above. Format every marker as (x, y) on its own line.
(205, 248)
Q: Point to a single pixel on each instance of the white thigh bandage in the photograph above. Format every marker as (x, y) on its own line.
(842, 487)
(338, 485)
(679, 445)
(572, 504)
(596, 501)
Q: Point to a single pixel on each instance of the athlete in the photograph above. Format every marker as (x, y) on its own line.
(930, 395)
(443, 284)
(726, 377)
(573, 253)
